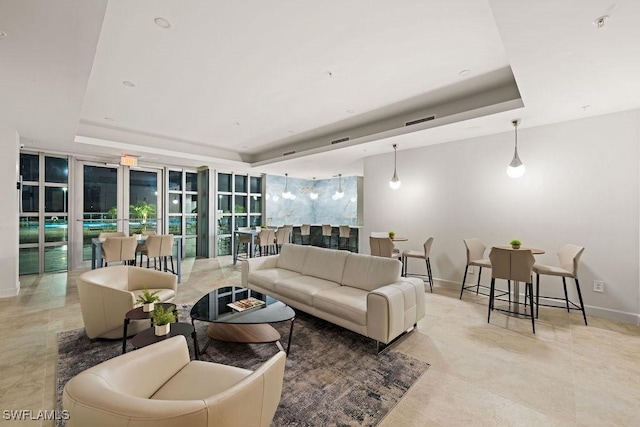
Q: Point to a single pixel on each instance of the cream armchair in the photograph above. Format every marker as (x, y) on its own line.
(159, 386)
(106, 294)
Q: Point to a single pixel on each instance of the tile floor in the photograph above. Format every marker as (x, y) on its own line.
(567, 374)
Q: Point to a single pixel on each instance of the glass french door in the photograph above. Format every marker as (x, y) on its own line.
(116, 198)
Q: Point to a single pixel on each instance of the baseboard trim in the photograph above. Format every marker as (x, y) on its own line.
(12, 292)
(605, 313)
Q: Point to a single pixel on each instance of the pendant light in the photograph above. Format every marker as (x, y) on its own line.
(516, 168)
(286, 194)
(395, 181)
(339, 194)
(313, 194)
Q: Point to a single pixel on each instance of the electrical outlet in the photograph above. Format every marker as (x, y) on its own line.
(598, 286)
(471, 269)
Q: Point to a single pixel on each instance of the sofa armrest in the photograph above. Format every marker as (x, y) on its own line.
(393, 309)
(254, 264)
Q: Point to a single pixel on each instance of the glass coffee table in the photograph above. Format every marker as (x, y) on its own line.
(242, 315)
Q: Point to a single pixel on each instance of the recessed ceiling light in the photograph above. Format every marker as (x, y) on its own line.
(127, 83)
(244, 147)
(464, 73)
(292, 131)
(330, 73)
(351, 111)
(600, 21)
(109, 119)
(585, 107)
(474, 127)
(162, 23)
(237, 123)
(3, 34)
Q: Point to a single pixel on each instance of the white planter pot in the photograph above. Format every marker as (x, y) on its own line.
(147, 307)
(162, 329)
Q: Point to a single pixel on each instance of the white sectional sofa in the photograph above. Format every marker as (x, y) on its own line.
(363, 293)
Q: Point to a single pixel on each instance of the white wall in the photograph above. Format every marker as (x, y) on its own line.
(582, 186)
(9, 157)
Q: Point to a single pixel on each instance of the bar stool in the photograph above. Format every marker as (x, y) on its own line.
(344, 234)
(151, 249)
(569, 256)
(475, 257)
(383, 247)
(422, 255)
(327, 231)
(305, 231)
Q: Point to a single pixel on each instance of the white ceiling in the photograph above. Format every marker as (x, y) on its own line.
(236, 84)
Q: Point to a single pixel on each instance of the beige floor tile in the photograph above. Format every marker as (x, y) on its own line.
(481, 373)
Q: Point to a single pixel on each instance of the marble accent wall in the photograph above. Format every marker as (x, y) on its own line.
(301, 209)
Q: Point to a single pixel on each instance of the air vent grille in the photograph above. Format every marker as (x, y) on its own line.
(338, 141)
(422, 120)
(288, 153)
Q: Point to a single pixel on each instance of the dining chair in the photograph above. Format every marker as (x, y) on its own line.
(151, 250)
(475, 257)
(166, 252)
(383, 247)
(142, 247)
(106, 234)
(569, 256)
(245, 240)
(424, 254)
(305, 231)
(516, 265)
(283, 235)
(119, 249)
(344, 236)
(266, 241)
(327, 233)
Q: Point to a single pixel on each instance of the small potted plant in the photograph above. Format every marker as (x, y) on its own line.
(515, 244)
(147, 299)
(162, 319)
(392, 234)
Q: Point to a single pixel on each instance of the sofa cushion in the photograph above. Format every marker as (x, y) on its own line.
(303, 288)
(370, 272)
(325, 263)
(268, 277)
(292, 257)
(345, 302)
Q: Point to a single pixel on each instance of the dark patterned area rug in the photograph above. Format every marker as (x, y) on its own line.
(332, 375)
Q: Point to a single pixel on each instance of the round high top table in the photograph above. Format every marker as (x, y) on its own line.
(516, 285)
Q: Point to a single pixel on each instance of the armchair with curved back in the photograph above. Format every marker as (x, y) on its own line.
(160, 386)
(107, 294)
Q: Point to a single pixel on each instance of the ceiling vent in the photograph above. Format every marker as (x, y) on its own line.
(288, 153)
(422, 120)
(338, 141)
